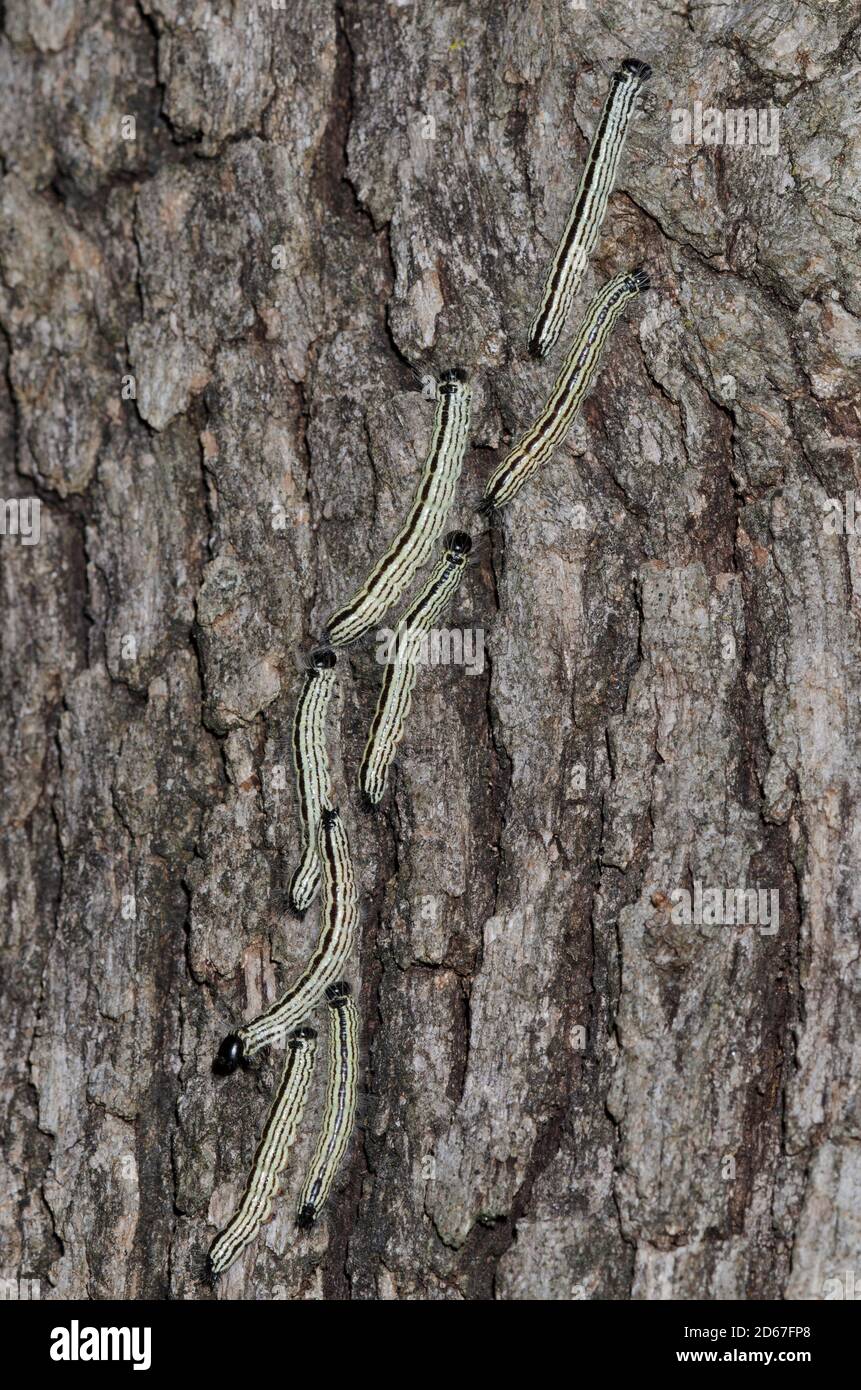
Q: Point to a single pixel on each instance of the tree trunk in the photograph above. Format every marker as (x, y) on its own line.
(232, 236)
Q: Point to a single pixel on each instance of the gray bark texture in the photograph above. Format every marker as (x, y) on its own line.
(566, 1092)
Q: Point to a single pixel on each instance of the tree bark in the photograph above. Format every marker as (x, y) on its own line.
(212, 328)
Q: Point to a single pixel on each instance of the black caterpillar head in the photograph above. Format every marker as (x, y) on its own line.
(635, 68)
(638, 281)
(305, 1219)
(322, 659)
(230, 1055)
(450, 380)
(299, 1036)
(338, 994)
(458, 544)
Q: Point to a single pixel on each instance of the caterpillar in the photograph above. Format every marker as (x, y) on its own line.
(590, 204)
(312, 772)
(536, 446)
(415, 541)
(399, 678)
(279, 1133)
(339, 916)
(340, 1110)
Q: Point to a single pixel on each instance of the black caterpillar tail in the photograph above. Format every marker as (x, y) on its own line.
(306, 1217)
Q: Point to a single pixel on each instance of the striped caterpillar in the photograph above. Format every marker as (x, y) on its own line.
(399, 678)
(312, 771)
(590, 204)
(413, 544)
(536, 446)
(279, 1134)
(340, 1111)
(339, 916)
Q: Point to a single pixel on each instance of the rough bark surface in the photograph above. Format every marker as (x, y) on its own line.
(565, 1093)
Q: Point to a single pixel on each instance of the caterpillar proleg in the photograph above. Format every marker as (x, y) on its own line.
(279, 1133)
(339, 917)
(312, 771)
(415, 541)
(340, 1110)
(590, 204)
(569, 389)
(399, 677)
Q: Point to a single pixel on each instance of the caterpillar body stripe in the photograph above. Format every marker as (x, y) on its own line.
(399, 676)
(590, 204)
(569, 389)
(279, 1133)
(312, 772)
(414, 543)
(339, 918)
(340, 1110)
